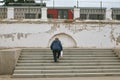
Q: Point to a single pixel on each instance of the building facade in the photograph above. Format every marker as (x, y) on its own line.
(35, 12)
(116, 13)
(60, 13)
(27, 13)
(92, 13)
(3, 12)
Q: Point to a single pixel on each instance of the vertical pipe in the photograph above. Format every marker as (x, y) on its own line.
(100, 10)
(53, 4)
(77, 4)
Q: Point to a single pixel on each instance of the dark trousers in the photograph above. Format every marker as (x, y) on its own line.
(56, 55)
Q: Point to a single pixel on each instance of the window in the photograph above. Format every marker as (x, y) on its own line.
(39, 15)
(62, 14)
(117, 17)
(30, 16)
(83, 16)
(96, 16)
(49, 16)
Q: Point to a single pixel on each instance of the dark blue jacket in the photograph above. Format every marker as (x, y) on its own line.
(56, 45)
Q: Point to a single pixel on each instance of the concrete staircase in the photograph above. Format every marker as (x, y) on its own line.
(35, 63)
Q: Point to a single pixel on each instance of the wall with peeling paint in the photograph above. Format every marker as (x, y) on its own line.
(83, 35)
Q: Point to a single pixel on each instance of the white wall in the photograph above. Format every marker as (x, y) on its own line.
(41, 35)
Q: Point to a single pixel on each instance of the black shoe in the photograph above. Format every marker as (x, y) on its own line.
(56, 61)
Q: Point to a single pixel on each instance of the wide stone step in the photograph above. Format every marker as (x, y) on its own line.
(65, 67)
(68, 53)
(72, 49)
(66, 64)
(70, 56)
(38, 75)
(66, 61)
(68, 71)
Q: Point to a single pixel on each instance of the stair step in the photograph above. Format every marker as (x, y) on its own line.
(69, 56)
(66, 61)
(73, 50)
(32, 75)
(68, 71)
(67, 53)
(65, 67)
(65, 64)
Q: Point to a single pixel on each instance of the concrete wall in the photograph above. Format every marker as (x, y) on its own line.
(82, 35)
(8, 60)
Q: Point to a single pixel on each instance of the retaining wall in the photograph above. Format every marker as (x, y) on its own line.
(8, 60)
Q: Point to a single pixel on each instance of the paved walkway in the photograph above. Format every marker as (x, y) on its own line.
(7, 77)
